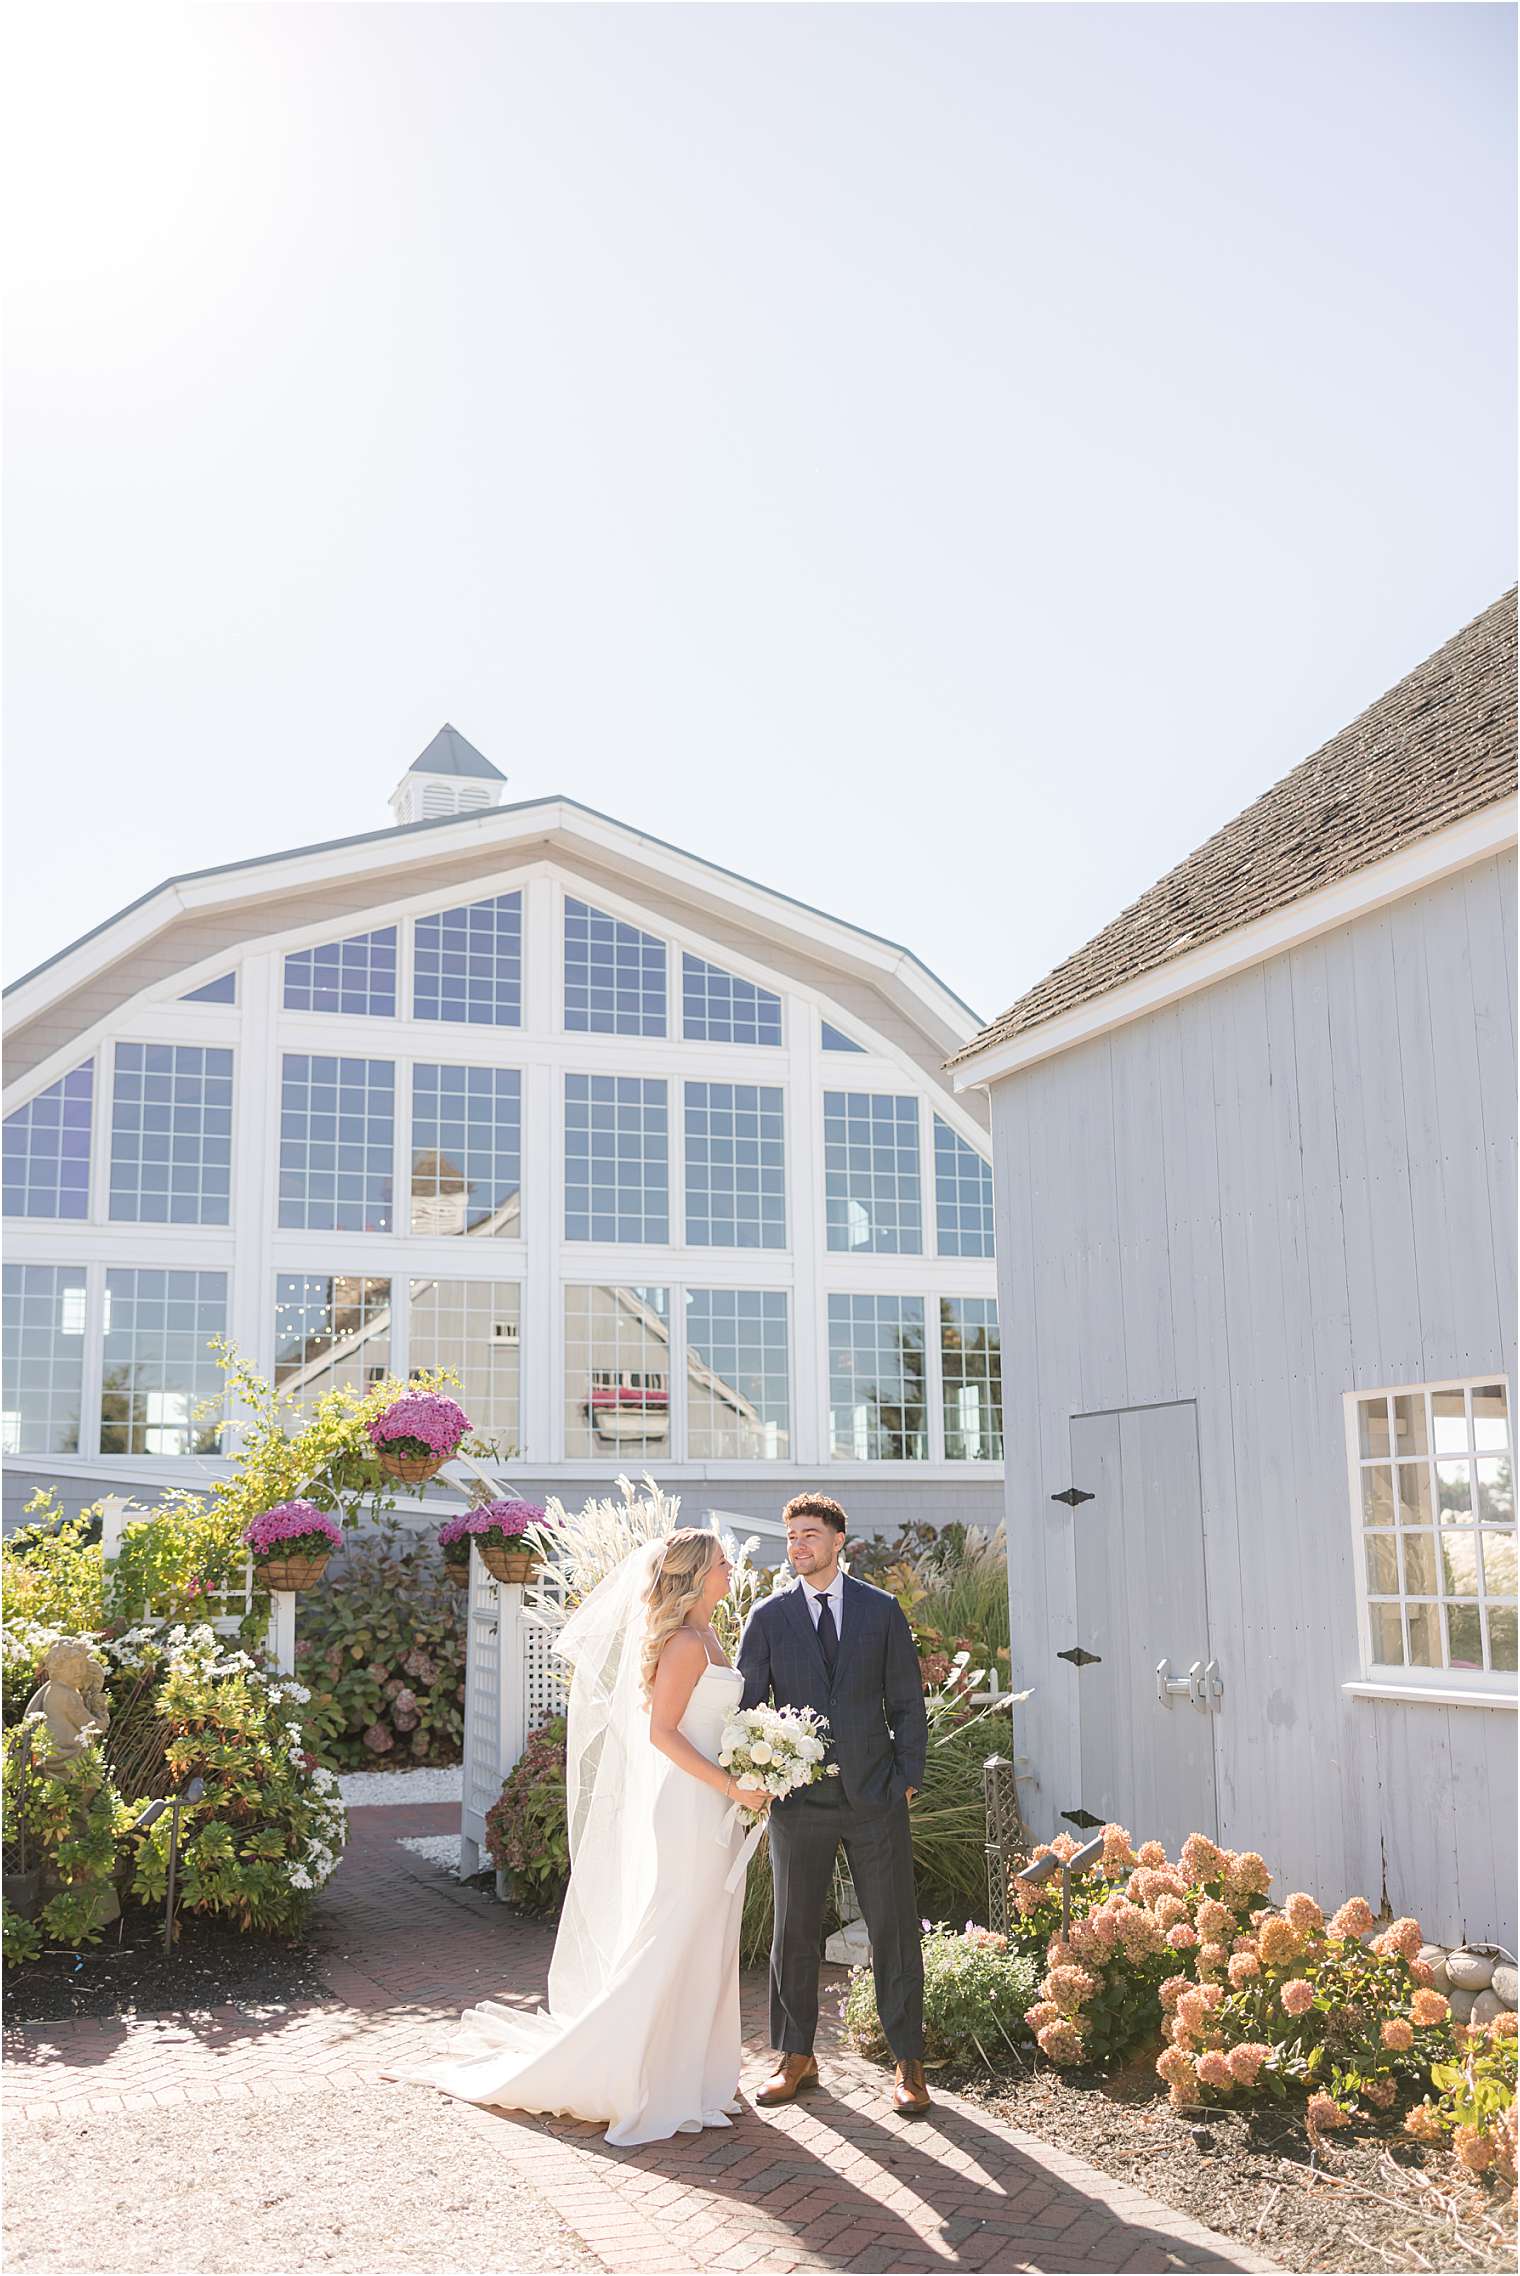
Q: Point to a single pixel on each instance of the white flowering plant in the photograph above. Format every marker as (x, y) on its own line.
(779, 1748)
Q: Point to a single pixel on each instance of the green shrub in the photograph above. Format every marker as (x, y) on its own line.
(952, 1583)
(527, 1827)
(381, 1645)
(1474, 2105)
(53, 1577)
(71, 1823)
(976, 1989)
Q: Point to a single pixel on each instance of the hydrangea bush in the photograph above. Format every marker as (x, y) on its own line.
(976, 1989)
(527, 1827)
(383, 1654)
(1474, 2104)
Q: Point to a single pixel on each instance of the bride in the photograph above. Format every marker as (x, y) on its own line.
(642, 2026)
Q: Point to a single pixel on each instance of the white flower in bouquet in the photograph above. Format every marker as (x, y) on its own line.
(779, 1748)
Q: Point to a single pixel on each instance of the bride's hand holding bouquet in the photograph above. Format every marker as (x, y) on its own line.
(774, 1751)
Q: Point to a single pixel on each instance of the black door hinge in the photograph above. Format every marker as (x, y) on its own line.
(1072, 1497)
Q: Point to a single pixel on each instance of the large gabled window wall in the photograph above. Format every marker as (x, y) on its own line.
(719, 1228)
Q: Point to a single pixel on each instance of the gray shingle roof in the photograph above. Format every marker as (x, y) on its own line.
(1435, 748)
(449, 753)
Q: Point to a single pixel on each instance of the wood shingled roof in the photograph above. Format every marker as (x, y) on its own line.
(1439, 746)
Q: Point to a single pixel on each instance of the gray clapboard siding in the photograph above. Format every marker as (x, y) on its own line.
(1296, 1184)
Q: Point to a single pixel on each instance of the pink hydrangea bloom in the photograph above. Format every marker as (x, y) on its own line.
(1245, 2061)
(1298, 1996)
(1243, 1966)
(1279, 1941)
(1355, 1918)
(1428, 2007)
(1202, 1859)
(1151, 1853)
(1183, 1937)
(291, 1521)
(1398, 2036)
(1304, 1913)
(1214, 2071)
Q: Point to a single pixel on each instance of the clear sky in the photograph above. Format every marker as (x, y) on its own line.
(940, 461)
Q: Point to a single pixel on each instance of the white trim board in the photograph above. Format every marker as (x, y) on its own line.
(1425, 863)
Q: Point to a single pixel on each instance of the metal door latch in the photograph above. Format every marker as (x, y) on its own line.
(1202, 1685)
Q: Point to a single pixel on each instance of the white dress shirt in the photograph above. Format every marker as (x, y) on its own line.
(833, 1595)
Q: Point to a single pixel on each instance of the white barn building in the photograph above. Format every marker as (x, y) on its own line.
(1255, 1166)
(664, 1164)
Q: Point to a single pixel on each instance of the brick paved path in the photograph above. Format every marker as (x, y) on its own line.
(832, 2182)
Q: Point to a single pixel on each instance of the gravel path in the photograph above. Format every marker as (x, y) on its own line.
(394, 1789)
(237, 2186)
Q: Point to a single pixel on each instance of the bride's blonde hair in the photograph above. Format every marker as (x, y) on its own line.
(678, 1582)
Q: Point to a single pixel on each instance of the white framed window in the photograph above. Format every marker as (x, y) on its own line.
(47, 1149)
(337, 1142)
(962, 1195)
(330, 1328)
(614, 975)
(971, 1374)
(617, 1370)
(474, 1328)
(467, 963)
(467, 1151)
(878, 1396)
(1433, 1505)
(357, 976)
(871, 1185)
(161, 1388)
(735, 1166)
(171, 1135)
(718, 1007)
(738, 1403)
(221, 990)
(617, 1158)
(45, 1308)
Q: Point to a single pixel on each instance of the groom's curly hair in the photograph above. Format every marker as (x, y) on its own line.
(817, 1505)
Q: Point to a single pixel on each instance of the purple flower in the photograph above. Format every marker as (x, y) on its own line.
(435, 1424)
(510, 1518)
(291, 1521)
(454, 1530)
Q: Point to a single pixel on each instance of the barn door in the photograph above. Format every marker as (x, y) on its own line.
(1146, 1688)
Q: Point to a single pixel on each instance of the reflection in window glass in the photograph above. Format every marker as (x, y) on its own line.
(877, 1407)
(617, 1159)
(717, 1007)
(971, 1362)
(44, 1358)
(356, 975)
(870, 1172)
(337, 1132)
(47, 1149)
(614, 975)
(962, 1195)
(467, 964)
(738, 1407)
(161, 1388)
(472, 1327)
(735, 1166)
(1447, 1600)
(171, 1135)
(617, 1371)
(467, 1150)
(330, 1328)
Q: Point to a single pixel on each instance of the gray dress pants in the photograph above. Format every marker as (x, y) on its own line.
(804, 1837)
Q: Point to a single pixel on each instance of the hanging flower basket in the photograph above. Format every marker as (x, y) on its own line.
(502, 1531)
(454, 1541)
(417, 1434)
(290, 1545)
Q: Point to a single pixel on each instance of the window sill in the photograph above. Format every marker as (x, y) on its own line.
(1433, 1695)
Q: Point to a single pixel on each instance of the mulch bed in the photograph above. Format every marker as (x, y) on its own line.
(128, 1973)
(1372, 2199)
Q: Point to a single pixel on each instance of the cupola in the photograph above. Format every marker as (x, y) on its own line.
(449, 777)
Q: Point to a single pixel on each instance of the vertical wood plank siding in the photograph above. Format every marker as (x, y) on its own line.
(1297, 1183)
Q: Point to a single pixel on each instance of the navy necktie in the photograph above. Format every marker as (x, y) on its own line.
(828, 1635)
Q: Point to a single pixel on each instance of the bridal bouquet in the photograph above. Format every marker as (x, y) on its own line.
(779, 1748)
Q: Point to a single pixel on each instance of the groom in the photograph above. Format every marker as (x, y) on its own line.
(832, 1643)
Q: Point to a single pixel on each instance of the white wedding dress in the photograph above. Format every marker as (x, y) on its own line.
(642, 2027)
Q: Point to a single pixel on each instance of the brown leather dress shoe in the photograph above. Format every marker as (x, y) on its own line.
(910, 2096)
(791, 2075)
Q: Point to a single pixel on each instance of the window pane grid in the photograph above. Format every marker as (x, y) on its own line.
(617, 1167)
(718, 1007)
(47, 1149)
(877, 1406)
(614, 975)
(1436, 1515)
(738, 1403)
(870, 1171)
(357, 975)
(161, 1386)
(972, 1369)
(467, 1150)
(43, 1358)
(735, 1166)
(171, 1135)
(330, 1329)
(472, 1327)
(617, 1370)
(962, 1195)
(337, 1132)
(467, 964)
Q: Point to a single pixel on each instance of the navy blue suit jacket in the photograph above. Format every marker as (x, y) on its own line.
(878, 1732)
